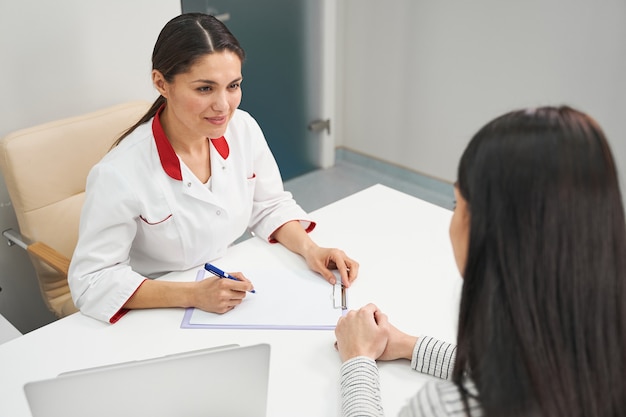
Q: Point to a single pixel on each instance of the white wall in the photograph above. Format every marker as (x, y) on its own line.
(419, 78)
(62, 58)
(416, 78)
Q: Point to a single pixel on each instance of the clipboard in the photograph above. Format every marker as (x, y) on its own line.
(285, 299)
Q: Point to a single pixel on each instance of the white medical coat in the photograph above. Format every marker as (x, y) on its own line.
(146, 213)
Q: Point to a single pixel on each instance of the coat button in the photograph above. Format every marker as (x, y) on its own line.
(188, 184)
(218, 212)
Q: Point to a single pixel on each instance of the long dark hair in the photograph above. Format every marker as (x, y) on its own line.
(542, 321)
(183, 41)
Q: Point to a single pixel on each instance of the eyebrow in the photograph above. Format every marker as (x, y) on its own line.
(216, 83)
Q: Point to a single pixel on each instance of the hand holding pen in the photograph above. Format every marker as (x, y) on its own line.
(221, 274)
(219, 295)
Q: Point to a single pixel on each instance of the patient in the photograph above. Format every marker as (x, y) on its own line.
(539, 236)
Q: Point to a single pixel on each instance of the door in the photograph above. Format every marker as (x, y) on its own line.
(282, 73)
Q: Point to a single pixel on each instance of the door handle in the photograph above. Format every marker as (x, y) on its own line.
(319, 125)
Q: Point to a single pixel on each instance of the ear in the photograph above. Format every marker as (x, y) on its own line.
(159, 82)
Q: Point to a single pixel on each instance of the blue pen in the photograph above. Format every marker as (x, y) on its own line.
(219, 273)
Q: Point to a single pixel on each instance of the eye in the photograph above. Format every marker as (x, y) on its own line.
(204, 89)
(234, 86)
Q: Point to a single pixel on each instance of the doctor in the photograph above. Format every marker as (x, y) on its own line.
(183, 184)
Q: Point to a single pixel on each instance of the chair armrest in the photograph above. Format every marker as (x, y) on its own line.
(39, 249)
(49, 256)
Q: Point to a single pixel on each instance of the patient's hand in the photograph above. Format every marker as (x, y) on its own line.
(361, 332)
(399, 345)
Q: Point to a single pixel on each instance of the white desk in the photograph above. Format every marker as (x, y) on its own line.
(407, 269)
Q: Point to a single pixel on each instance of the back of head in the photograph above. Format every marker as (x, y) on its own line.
(542, 325)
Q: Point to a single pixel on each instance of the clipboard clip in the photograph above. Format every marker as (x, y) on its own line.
(339, 296)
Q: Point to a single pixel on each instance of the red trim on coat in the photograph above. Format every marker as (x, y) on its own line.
(169, 159)
(122, 311)
(221, 146)
(167, 155)
(308, 229)
(153, 223)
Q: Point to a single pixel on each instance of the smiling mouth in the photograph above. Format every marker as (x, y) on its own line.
(216, 120)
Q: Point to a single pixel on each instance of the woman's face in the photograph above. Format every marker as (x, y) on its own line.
(459, 230)
(202, 101)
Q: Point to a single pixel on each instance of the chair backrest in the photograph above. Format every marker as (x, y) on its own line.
(45, 168)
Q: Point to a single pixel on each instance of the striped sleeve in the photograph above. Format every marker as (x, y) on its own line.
(360, 388)
(434, 357)
(441, 399)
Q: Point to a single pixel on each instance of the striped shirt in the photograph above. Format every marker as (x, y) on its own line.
(360, 389)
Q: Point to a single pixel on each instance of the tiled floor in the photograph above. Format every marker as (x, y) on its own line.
(353, 172)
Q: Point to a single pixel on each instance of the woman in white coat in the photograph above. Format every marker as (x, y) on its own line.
(183, 184)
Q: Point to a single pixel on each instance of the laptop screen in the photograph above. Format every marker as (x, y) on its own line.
(228, 381)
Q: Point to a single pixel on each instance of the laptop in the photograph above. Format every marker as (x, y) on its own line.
(226, 381)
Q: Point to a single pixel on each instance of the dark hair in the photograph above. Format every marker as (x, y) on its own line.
(542, 321)
(182, 42)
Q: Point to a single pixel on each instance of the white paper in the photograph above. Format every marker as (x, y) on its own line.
(293, 299)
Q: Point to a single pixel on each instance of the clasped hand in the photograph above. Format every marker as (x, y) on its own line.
(367, 332)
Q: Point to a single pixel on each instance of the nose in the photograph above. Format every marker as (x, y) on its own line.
(221, 102)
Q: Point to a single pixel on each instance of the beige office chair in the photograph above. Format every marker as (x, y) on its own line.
(45, 169)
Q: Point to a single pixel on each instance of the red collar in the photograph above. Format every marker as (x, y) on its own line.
(169, 159)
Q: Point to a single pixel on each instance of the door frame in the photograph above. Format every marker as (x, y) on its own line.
(329, 76)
